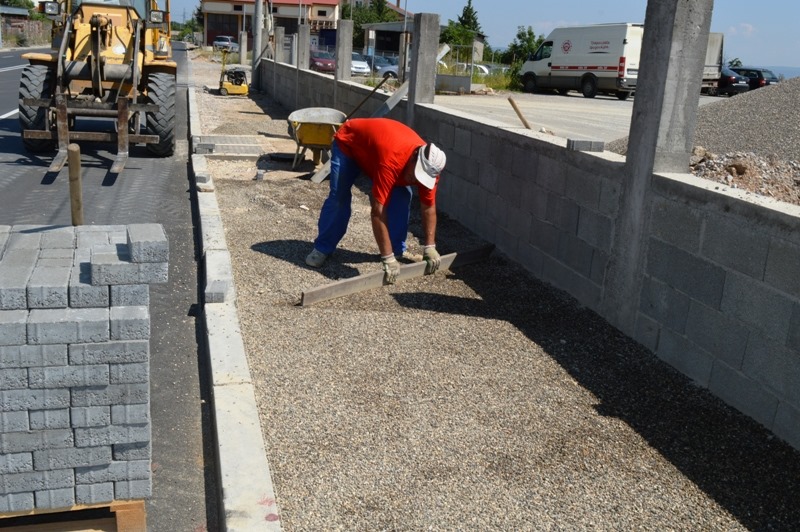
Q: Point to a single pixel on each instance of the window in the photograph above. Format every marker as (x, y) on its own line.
(322, 13)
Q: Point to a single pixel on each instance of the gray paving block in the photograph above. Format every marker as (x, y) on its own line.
(25, 240)
(11, 400)
(585, 145)
(94, 493)
(113, 394)
(130, 295)
(13, 378)
(129, 373)
(58, 238)
(112, 434)
(17, 442)
(68, 326)
(15, 270)
(113, 472)
(743, 393)
(49, 419)
(130, 414)
(90, 239)
(756, 304)
(16, 462)
(37, 481)
(14, 421)
(16, 502)
(133, 489)
(148, 243)
(695, 277)
(59, 498)
(130, 323)
(13, 327)
(111, 269)
(110, 352)
(90, 416)
(50, 459)
(68, 376)
(25, 356)
(82, 293)
(132, 451)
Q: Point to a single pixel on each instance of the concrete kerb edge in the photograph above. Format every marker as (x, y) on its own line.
(246, 493)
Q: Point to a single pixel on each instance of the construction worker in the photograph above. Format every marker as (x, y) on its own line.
(394, 157)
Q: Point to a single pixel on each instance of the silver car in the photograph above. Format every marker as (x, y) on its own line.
(359, 66)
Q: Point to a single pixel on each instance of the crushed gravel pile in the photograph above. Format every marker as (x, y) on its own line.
(473, 399)
(750, 141)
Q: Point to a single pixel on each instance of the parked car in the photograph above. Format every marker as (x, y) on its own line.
(359, 65)
(225, 42)
(377, 61)
(322, 61)
(388, 71)
(758, 77)
(731, 83)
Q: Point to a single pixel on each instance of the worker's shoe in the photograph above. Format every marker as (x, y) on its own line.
(408, 257)
(316, 258)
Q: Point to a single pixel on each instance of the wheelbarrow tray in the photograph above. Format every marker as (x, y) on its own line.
(313, 128)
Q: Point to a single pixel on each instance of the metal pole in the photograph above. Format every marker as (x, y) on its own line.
(75, 189)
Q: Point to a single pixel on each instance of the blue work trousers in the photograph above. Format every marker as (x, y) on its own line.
(336, 210)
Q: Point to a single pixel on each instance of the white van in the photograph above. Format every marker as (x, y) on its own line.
(590, 59)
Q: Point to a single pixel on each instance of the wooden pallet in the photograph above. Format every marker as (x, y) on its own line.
(118, 516)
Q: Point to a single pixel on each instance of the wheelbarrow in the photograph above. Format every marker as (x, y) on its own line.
(313, 128)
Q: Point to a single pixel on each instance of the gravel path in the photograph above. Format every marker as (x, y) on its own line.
(477, 399)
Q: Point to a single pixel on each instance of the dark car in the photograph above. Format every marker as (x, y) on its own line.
(731, 83)
(322, 61)
(376, 62)
(759, 77)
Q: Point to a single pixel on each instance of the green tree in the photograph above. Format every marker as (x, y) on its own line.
(524, 44)
(469, 18)
(377, 11)
(27, 4)
(735, 62)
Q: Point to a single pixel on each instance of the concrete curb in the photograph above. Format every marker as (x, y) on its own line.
(247, 496)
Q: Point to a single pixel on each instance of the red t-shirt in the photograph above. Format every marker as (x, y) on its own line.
(381, 148)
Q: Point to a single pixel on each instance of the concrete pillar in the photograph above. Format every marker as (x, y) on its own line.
(258, 28)
(662, 131)
(304, 46)
(243, 48)
(402, 57)
(422, 84)
(280, 33)
(344, 50)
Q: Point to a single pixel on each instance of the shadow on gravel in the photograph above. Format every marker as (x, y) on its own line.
(730, 457)
(295, 251)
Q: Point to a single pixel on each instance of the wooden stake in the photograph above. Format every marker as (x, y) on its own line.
(75, 188)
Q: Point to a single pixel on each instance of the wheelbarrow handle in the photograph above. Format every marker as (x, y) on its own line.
(367, 97)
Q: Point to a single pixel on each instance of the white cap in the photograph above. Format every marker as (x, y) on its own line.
(430, 163)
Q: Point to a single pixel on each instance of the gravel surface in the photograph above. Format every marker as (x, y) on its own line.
(473, 399)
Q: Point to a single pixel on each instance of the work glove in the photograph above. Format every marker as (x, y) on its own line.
(391, 269)
(432, 259)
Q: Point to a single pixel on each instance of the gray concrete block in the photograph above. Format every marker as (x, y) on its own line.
(575, 253)
(17, 442)
(50, 459)
(775, 366)
(130, 295)
(583, 188)
(677, 224)
(609, 198)
(695, 277)
(781, 269)
(200, 168)
(130, 414)
(684, 356)
(16, 463)
(13, 327)
(129, 323)
(756, 304)
(600, 262)
(564, 278)
(68, 326)
(488, 178)
(90, 416)
(25, 356)
(94, 493)
(113, 394)
(13, 378)
(213, 231)
(16, 502)
(49, 287)
(585, 145)
(787, 424)
(534, 200)
(82, 293)
(664, 304)
(11, 400)
(59, 498)
(108, 268)
(113, 472)
(508, 189)
(793, 336)
(61, 238)
(68, 376)
(31, 481)
(132, 451)
(133, 489)
(110, 352)
(552, 175)
(110, 435)
(647, 331)
(129, 373)
(49, 419)
(595, 229)
(743, 393)
(735, 246)
(16, 421)
(90, 239)
(563, 213)
(219, 286)
(545, 236)
(24, 240)
(717, 333)
(462, 142)
(148, 243)
(523, 165)
(153, 272)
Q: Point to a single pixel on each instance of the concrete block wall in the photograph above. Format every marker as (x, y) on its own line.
(74, 363)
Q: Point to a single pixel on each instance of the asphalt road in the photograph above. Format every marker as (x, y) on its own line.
(148, 190)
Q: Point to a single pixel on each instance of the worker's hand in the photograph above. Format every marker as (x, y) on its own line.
(432, 259)
(391, 269)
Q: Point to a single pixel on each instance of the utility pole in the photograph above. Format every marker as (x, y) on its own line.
(258, 24)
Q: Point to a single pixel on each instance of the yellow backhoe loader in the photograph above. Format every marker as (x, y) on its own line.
(109, 59)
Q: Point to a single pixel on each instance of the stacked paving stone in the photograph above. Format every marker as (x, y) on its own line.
(74, 363)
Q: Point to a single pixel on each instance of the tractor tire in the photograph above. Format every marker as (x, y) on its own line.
(161, 89)
(36, 81)
(589, 87)
(223, 91)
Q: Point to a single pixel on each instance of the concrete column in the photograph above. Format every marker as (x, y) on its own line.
(258, 27)
(243, 48)
(422, 83)
(344, 50)
(662, 131)
(280, 33)
(304, 46)
(402, 57)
